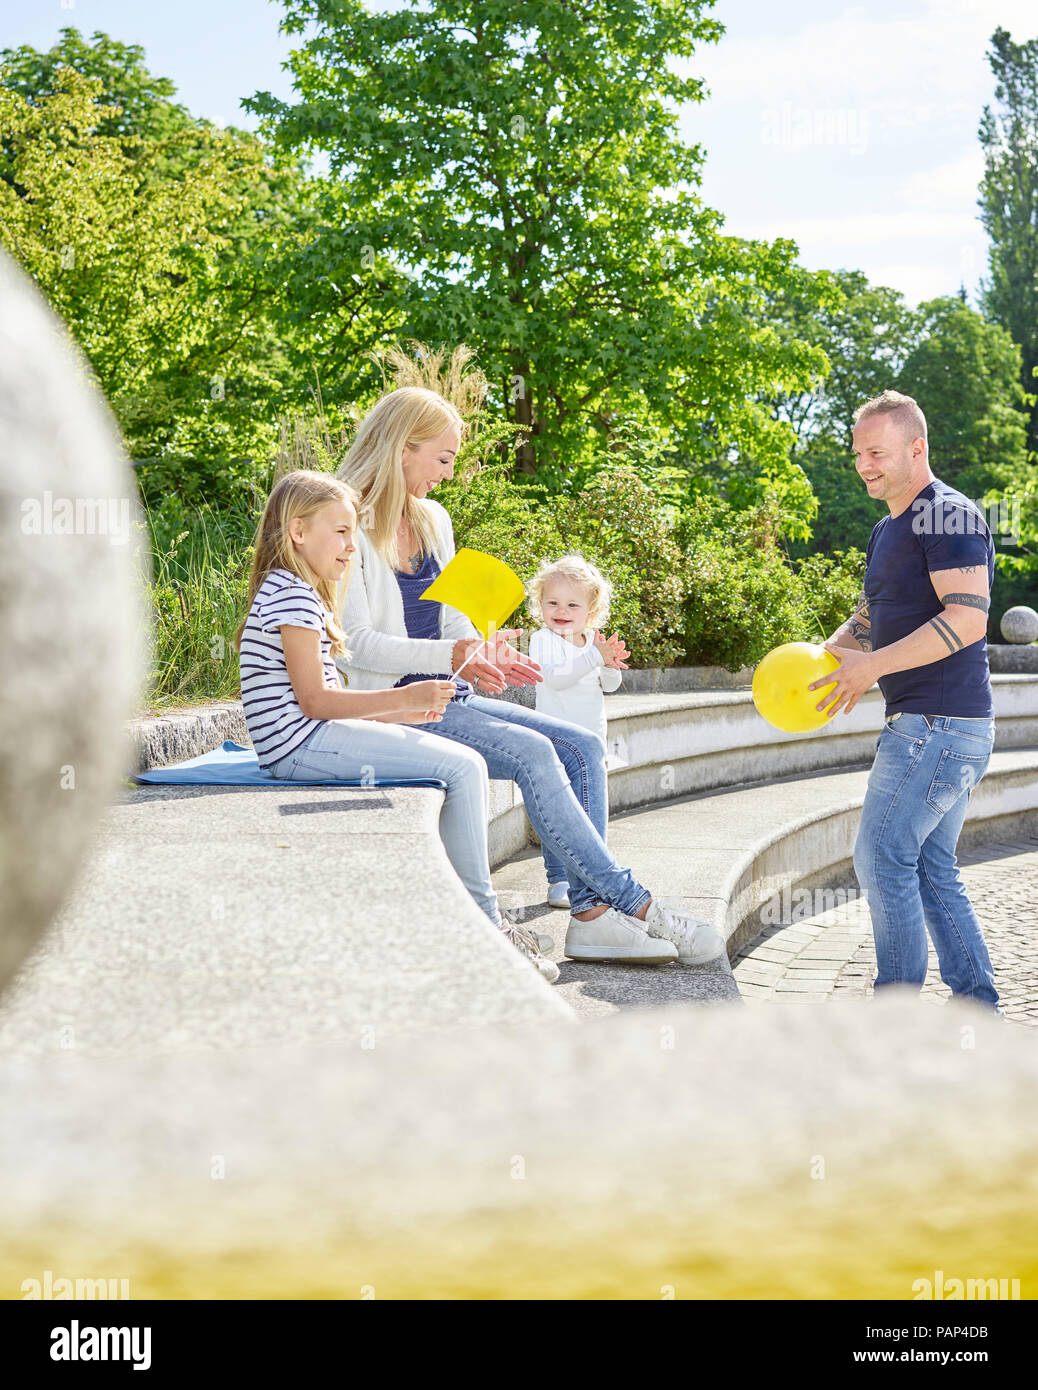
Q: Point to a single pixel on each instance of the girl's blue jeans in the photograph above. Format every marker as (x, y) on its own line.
(926, 766)
(364, 749)
(560, 770)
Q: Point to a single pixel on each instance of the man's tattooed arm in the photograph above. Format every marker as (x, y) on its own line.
(967, 600)
(956, 591)
(860, 625)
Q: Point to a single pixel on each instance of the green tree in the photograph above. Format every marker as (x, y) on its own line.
(163, 253)
(508, 175)
(965, 373)
(1009, 201)
(963, 370)
(139, 102)
(865, 332)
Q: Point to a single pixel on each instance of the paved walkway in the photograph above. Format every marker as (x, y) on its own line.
(830, 955)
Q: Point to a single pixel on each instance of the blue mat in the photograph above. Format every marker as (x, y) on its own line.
(235, 766)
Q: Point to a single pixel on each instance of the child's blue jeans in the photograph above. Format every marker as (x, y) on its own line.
(925, 769)
(560, 770)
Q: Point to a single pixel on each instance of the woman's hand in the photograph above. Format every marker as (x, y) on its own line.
(495, 664)
(613, 650)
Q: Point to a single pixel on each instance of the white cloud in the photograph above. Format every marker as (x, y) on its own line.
(943, 186)
(916, 282)
(868, 227)
(931, 59)
(854, 132)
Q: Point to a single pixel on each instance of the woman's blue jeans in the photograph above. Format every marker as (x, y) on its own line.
(364, 749)
(926, 766)
(560, 770)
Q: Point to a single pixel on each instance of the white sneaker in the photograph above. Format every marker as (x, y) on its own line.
(614, 936)
(525, 945)
(558, 894)
(540, 940)
(696, 939)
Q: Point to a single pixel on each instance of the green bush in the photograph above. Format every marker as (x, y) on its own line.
(745, 597)
(742, 599)
(620, 524)
(830, 587)
(616, 523)
(219, 485)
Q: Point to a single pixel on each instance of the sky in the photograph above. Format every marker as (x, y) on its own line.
(850, 129)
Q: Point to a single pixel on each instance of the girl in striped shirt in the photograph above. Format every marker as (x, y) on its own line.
(304, 725)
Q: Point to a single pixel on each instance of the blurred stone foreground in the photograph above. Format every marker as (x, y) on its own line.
(689, 1151)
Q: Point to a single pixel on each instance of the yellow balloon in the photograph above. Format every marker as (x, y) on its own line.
(780, 686)
(485, 589)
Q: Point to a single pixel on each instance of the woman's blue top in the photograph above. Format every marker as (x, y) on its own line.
(422, 617)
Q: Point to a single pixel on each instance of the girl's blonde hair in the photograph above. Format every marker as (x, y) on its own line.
(374, 465)
(580, 571)
(299, 493)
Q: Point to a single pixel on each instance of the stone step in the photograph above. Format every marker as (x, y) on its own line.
(730, 853)
(222, 917)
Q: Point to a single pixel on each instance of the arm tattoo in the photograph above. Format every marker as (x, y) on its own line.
(968, 600)
(858, 625)
(951, 638)
(967, 569)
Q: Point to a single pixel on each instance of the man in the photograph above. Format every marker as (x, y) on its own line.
(920, 631)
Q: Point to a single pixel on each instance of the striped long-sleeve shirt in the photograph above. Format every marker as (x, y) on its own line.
(276, 723)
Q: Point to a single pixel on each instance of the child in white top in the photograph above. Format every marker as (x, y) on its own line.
(578, 663)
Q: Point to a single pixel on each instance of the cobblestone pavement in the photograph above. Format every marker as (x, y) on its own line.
(830, 954)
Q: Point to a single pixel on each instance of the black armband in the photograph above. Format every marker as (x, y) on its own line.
(968, 600)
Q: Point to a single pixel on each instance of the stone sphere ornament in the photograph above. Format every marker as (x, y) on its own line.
(74, 625)
(1020, 625)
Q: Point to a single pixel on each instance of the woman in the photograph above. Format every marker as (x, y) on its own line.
(405, 445)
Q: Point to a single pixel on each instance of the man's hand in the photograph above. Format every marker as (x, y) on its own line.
(856, 673)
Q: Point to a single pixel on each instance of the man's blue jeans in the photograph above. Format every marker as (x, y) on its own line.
(925, 769)
(560, 770)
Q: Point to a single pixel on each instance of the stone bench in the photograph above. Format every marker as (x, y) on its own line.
(674, 744)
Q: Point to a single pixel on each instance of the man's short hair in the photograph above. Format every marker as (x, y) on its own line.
(907, 415)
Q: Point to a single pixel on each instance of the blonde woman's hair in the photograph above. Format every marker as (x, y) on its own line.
(580, 571)
(299, 493)
(374, 467)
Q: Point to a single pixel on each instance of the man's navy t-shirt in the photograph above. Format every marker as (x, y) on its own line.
(940, 529)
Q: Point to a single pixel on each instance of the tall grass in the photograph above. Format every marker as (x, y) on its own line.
(201, 558)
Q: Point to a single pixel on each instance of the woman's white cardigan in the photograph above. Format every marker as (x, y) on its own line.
(372, 618)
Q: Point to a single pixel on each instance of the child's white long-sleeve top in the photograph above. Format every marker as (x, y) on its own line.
(574, 680)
